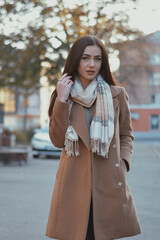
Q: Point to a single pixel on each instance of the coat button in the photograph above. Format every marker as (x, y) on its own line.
(120, 183)
(117, 164)
(114, 145)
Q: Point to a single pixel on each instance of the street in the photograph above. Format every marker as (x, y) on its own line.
(25, 194)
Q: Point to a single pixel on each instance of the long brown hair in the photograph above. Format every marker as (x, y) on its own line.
(73, 60)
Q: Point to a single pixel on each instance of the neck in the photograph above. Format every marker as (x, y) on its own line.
(85, 83)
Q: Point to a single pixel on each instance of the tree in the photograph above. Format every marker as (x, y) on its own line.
(37, 45)
(49, 36)
(21, 68)
(88, 18)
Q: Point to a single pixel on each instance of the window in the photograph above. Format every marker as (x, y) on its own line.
(155, 98)
(8, 99)
(154, 122)
(154, 59)
(135, 115)
(154, 79)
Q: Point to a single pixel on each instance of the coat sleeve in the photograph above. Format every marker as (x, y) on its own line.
(126, 137)
(59, 123)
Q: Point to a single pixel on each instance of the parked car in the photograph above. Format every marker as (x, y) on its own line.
(42, 145)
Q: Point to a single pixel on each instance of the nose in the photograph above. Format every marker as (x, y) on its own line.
(91, 63)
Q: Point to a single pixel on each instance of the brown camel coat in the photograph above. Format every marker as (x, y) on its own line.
(79, 178)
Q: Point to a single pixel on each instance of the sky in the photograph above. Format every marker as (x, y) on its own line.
(147, 16)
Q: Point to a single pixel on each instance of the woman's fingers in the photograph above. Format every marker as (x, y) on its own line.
(65, 80)
(70, 83)
(64, 77)
(63, 87)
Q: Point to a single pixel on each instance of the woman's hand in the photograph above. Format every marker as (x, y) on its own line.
(63, 87)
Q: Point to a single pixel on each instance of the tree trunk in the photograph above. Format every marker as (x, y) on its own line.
(25, 105)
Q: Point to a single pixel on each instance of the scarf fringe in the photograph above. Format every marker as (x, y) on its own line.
(72, 147)
(100, 148)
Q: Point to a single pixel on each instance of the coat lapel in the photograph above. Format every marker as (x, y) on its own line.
(78, 122)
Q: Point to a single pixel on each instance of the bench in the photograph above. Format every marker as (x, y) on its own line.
(8, 155)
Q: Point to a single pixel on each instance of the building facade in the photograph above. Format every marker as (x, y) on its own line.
(145, 117)
(140, 69)
(18, 112)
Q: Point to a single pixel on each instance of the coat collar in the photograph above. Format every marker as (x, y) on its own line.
(114, 90)
(78, 118)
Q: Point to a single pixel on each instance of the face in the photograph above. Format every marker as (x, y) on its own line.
(90, 64)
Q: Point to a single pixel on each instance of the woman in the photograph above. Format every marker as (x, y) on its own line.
(90, 120)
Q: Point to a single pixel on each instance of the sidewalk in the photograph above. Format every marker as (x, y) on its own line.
(147, 136)
(26, 191)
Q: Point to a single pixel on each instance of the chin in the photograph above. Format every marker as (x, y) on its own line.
(90, 78)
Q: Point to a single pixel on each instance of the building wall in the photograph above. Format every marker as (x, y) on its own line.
(14, 110)
(15, 122)
(139, 63)
(146, 118)
(45, 95)
(140, 69)
(33, 104)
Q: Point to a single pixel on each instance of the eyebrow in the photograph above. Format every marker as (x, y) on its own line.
(90, 55)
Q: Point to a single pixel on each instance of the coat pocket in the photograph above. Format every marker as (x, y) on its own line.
(122, 171)
(123, 165)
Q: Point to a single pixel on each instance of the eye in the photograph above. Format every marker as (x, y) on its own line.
(85, 58)
(98, 59)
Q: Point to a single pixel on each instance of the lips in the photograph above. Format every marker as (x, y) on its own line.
(90, 72)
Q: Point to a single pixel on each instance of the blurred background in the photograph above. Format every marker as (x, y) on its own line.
(35, 37)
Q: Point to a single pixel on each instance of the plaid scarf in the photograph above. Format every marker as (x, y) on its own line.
(102, 125)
